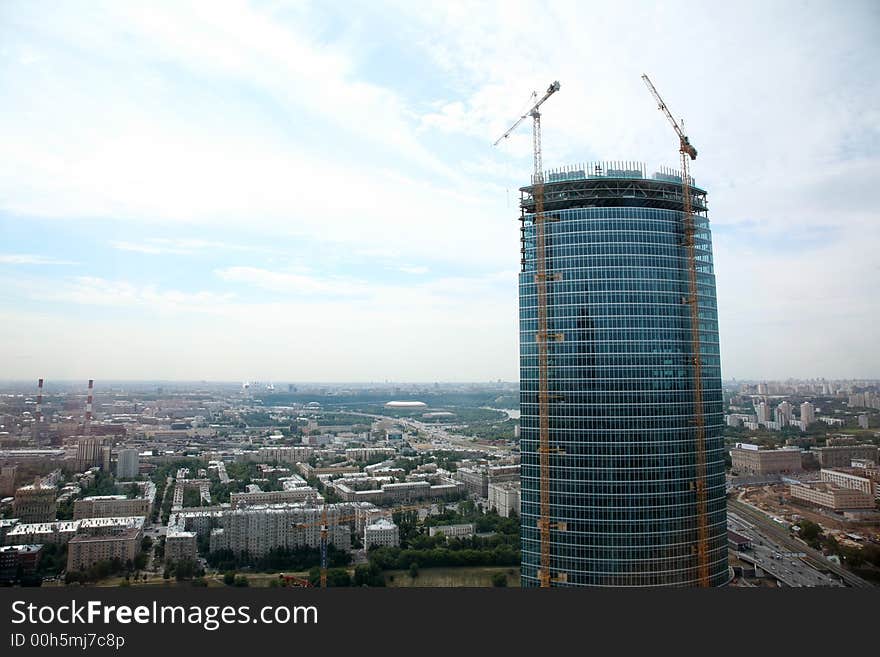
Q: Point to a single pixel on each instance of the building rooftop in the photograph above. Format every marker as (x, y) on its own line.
(382, 523)
(610, 184)
(21, 549)
(128, 532)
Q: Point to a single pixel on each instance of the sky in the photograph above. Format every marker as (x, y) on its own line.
(309, 191)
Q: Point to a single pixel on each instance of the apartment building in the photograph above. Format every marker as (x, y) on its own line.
(504, 497)
(748, 459)
(84, 550)
(382, 533)
(35, 503)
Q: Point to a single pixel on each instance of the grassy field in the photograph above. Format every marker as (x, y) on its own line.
(452, 577)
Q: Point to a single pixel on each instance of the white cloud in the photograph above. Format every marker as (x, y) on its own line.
(96, 291)
(30, 259)
(415, 270)
(231, 116)
(165, 246)
(294, 283)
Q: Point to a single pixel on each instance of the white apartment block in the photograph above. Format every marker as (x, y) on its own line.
(504, 497)
(260, 528)
(382, 533)
(453, 531)
(296, 494)
(848, 480)
(832, 497)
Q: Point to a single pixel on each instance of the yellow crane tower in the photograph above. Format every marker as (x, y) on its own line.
(542, 337)
(687, 153)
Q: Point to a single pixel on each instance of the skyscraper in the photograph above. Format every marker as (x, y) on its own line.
(622, 415)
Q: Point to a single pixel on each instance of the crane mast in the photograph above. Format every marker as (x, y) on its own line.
(688, 152)
(542, 337)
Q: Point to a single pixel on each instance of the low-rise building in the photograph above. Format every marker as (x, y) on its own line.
(18, 560)
(857, 479)
(841, 456)
(452, 531)
(748, 459)
(830, 496)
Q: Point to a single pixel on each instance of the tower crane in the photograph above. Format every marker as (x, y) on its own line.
(687, 153)
(542, 337)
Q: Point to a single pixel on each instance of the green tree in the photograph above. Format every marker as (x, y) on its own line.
(338, 577)
(809, 531)
(499, 579)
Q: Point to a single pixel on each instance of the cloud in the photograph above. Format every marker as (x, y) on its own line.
(356, 156)
(294, 283)
(96, 291)
(165, 246)
(415, 270)
(30, 259)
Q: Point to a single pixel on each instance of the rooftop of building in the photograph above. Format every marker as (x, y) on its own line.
(99, 498)
(21, 549)
(382, 523)
(125, 534)
(613, 184)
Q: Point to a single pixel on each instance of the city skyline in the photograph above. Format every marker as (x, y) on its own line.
(230, 192)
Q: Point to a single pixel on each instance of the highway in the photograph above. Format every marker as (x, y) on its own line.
(788, 567)
(779, 534)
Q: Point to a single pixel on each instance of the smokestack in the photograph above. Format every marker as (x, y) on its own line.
(88, 419)
(40, 401)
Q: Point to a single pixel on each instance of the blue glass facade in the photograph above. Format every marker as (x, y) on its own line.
(621, 384)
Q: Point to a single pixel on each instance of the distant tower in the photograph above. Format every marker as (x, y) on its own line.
(127, 464)
(39, 403)
(808, 414)
(783, 414)
(88, 418)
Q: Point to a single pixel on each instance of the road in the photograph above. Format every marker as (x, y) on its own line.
(778, 534)
(436, 434)
(786, 566)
